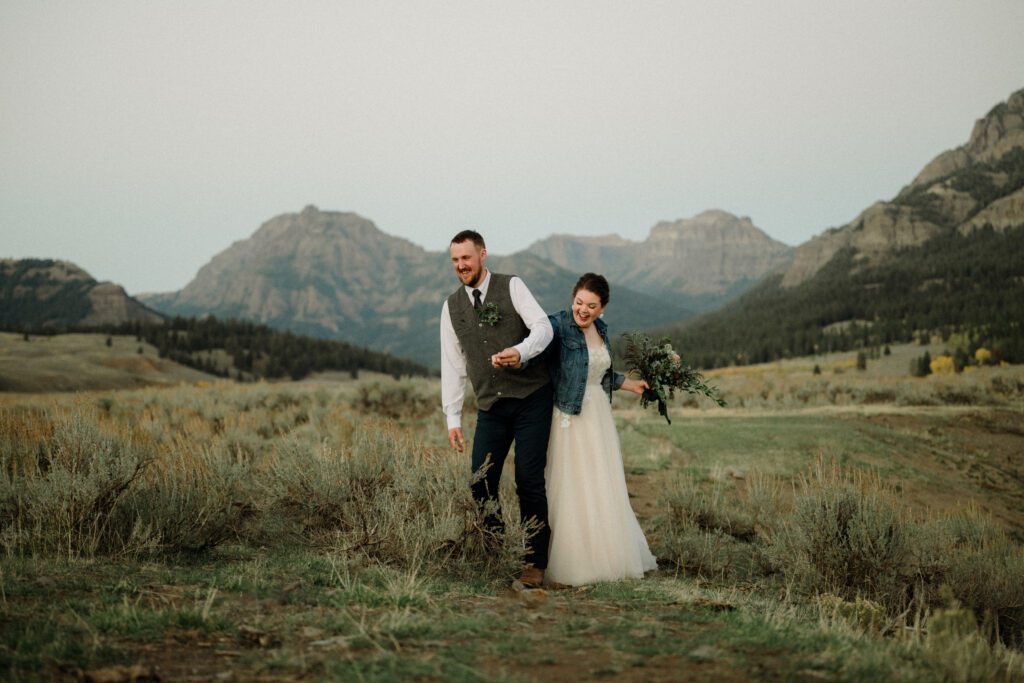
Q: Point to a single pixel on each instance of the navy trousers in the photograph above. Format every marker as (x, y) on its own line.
(527, 421)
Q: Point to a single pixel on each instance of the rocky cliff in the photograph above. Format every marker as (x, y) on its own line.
(942, 257)
(699, 262)
(977, 184)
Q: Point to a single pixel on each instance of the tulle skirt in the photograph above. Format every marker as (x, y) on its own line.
(594, 532)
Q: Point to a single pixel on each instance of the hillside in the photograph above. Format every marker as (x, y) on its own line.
(84, 362)
(50, 294)
(699, 263)
(940, 257)
(336, 275)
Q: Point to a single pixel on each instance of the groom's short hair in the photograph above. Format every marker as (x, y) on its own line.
(473, 236)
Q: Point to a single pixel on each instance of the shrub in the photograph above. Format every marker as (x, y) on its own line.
(386, 495)
(958, 651)
(866, 615)
(1007, 386)
(942, 365)
(67, 498)
(396, 399)
(709, 532)
(846, 537)
(194, 501)
(973, 560)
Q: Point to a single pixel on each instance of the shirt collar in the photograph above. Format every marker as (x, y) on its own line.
(482, 287)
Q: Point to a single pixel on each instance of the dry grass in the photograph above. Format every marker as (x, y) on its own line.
(353, 522)
(188, 469)
(75, 362)
(792, 384)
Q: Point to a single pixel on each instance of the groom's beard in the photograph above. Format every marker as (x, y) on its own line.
(476, 278)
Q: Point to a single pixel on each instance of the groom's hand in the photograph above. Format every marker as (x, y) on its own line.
(456, 440)
(509, 358)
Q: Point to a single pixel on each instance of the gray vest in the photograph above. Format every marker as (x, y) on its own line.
(480, 341)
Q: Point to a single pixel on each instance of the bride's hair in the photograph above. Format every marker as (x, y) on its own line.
(592, 282)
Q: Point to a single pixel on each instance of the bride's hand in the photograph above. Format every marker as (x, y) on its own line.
(635, 386)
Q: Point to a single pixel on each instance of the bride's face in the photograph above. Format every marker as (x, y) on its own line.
(586, 308)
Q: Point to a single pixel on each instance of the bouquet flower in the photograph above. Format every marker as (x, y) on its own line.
(664, 371)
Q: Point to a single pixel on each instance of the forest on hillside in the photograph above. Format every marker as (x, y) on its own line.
(255, 350)
(22, 307)
(261, 351)
(967, 284)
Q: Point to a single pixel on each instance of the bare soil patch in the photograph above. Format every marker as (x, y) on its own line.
(976, 457)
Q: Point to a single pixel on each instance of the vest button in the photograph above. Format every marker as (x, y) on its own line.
(499, 393)
(479, 324)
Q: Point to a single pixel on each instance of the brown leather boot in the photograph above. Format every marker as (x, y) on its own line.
(532, 577)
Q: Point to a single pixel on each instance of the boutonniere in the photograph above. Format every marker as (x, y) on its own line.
(488, 313)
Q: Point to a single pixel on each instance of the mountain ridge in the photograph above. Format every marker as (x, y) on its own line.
(941, 257)
(700, 262)
(58, 294)
(337, 275)
(939, 197)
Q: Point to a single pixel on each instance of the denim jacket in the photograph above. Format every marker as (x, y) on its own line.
(568, 359)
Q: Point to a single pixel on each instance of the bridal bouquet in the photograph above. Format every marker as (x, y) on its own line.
(664, 371)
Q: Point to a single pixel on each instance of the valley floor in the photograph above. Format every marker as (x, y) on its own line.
(279, 603)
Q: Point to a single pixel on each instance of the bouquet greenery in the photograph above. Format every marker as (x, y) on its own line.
(488, 313)
(664, 371)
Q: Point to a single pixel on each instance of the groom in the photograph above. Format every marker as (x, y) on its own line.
(490, 327)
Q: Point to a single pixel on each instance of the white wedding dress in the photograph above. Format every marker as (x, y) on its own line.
(594, 532)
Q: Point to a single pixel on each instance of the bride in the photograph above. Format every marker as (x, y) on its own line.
(594, 533)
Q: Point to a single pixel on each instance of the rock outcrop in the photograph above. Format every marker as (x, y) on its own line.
(111, 305)
(974, 185)
(700, 262)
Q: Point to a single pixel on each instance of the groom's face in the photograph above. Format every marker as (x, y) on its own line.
(468, 262)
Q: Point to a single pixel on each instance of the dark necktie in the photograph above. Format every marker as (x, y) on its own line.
(476, 299)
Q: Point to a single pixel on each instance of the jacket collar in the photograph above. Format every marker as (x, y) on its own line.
(602, 326)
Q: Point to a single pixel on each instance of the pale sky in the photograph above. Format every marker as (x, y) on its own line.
(140, 138)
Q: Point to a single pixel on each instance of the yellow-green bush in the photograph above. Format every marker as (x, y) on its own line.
(942, 365)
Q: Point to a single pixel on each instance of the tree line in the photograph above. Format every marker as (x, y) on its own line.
(968, 284)
(255, 350)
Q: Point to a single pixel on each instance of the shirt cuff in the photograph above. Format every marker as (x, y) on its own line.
(521, 348)
(454, 421)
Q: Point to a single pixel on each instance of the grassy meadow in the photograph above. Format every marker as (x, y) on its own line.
(76, 362)
(852, 525)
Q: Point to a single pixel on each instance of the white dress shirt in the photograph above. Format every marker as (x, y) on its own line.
(453, 360)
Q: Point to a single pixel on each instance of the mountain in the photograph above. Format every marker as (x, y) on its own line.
(699, 263)
(45, 293)
(336, 275)
(942, 256)
(966, 188)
